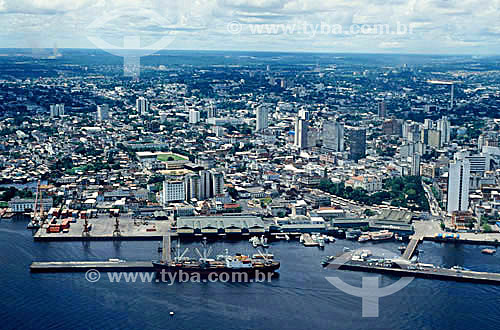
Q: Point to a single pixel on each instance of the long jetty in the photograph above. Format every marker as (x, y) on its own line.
(444, 274)
(84, 266)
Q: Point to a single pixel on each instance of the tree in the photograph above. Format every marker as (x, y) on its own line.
(369, 213)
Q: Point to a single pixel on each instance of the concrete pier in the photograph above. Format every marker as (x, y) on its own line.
(422, 272)
(83, 266)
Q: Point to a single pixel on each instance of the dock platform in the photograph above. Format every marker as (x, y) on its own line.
(84, 266)
(429, 273)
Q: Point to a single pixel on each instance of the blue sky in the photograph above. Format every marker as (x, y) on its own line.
(437, 26)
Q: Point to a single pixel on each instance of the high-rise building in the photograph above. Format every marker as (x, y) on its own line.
(301, 131)
(212, 112)
(194, 116)
(217, 179)
(205, 184)
(262, 118)
(102, 112)
(392, 127)
(357, 143)
(479, 163)
(382, 109)
(432, 138)
(304, 114)
(458, 185)
(333, 136)
(192, 187)
(415, 164)
(56, 110)
(173, 191)
(142, 106)
(443, 125)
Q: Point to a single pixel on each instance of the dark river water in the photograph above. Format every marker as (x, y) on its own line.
(301, 298)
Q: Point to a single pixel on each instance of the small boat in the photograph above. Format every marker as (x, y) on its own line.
(282, 237)
(321, 242)
(364, 238)
(353, 234)
(489, 251)
(402, 248)
(327, 260)
(33, 225)
(381, 235)
(346, 249)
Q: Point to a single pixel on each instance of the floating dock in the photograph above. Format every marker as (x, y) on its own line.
(84, 266)
(421, 272)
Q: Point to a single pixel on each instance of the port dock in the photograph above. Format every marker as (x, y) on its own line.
(84, 266)
(444, 274)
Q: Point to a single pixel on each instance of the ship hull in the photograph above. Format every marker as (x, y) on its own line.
(204, 271)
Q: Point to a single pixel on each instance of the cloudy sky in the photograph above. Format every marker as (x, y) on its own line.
(437, 26)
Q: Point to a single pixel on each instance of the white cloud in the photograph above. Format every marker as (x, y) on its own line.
(449, 25)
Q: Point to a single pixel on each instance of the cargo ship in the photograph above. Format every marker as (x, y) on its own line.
(224, 263)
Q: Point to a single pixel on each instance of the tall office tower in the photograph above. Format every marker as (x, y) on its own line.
(53, 111)
(406, 129)
(428, 124)
(458, 185)
(301, 130)
(194, 116)
(212, 112)
(262, 118)
(205, 184)
(432, 138)
(56, 110)
(60, 109)
(414, 133)
(382, 109)
(102, 112)
(443, 125)
(192, 187)
(415, 164)
(142, 106)
(173, 191)
(333, 136)
(217, 180)
(357, 143)
(303, 114)
(392, 126)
